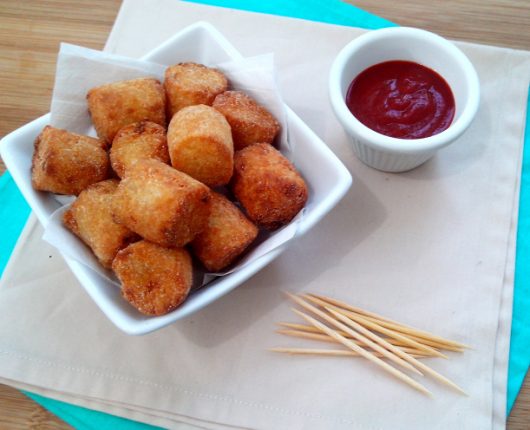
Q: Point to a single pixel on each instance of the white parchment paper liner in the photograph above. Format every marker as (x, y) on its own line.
(79, 69)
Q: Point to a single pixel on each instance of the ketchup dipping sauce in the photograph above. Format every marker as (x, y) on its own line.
(401, 99)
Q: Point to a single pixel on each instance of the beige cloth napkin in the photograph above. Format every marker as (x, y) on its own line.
(433, 247)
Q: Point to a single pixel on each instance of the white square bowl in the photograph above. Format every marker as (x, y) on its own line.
(327, 179)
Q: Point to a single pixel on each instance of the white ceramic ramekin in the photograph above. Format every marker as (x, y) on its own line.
(409, 44)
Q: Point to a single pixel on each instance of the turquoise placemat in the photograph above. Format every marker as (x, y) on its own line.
(520, 340)
(87, 419)
(328, 11)
(14, 212)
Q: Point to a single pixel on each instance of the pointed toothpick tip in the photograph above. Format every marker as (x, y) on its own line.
(278, 349)
(458, 389)
(283, 324)
(299, 312)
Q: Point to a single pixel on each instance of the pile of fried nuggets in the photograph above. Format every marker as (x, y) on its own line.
(145, 194)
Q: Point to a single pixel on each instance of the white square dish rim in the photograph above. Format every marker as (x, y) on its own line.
(91, 281)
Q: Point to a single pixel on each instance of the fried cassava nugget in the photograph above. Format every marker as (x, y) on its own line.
(161, 204)
(67, 163)
(189, 84)
(225, 238)
(155, 280)
(118, 104)
(267, 185)
(138, 141)
(200, 144)
(90, 218)
(250, 122)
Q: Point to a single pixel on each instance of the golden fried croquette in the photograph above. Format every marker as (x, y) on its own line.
(67, 163)
(267, 185)
(161, 204)
(116, 105)
(200, 144)
(138, 141)
(227, 235)
(189, 84)
(90, 218)
(155, 280)
(250, 122)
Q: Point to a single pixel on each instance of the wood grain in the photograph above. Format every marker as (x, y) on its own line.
(519, 419)
(18, 412)
(492, 22)
(30, 33)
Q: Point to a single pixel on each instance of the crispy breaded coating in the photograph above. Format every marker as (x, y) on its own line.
(138, 141)
(200, 144)
(155, 280)
(161, 204)
(189, 84)
(267, 185)
(250, 122)
(67, 163)
(116, 105)
(90, 218)
(225, 238)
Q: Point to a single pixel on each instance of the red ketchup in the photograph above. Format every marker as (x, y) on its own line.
(401, 99)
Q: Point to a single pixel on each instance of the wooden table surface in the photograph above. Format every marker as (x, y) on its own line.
(30, 33)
